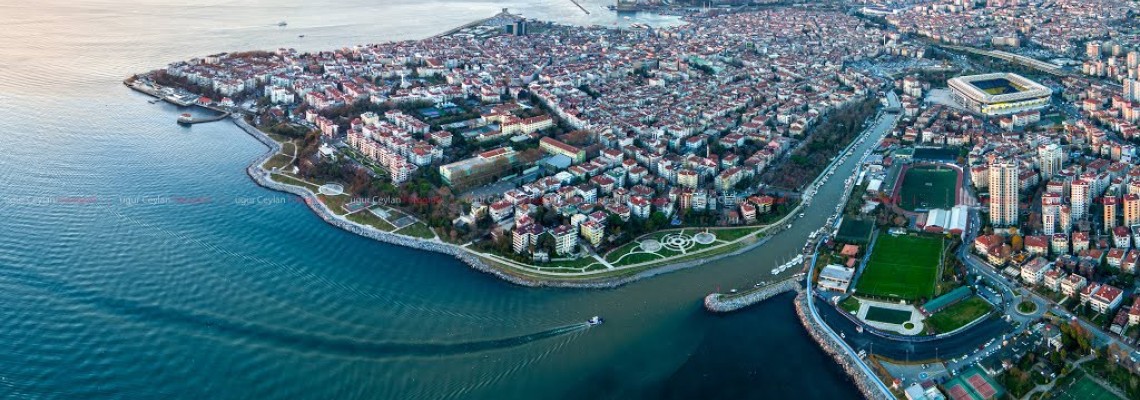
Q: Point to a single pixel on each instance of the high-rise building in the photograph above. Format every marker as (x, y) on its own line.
(1049, 158)
(1066, 219)
(1131, 90)
(1111, 203)
(1080, 194)
(1092, 50)
(1003, 193)
(1050, 212)
(1131, 209)
(1133, 59)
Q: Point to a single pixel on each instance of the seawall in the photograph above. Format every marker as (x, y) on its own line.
(261, 176)
(861, 377)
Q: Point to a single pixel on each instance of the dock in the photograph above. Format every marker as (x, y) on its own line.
(184, 119)
(187, 119)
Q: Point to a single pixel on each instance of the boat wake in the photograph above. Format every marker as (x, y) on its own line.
(208, 324)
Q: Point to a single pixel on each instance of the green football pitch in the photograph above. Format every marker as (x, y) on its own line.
(901, 267)
(928, 188)
(1085, 389)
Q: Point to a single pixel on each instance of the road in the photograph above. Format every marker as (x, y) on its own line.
(882, 125)
(1013, 292)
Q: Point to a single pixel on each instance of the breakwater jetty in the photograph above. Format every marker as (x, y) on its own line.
(187, 119)
(719, 302)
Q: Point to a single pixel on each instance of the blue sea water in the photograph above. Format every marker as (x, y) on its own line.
(137, 260)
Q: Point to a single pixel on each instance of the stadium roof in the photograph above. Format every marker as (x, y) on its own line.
(1027, 89)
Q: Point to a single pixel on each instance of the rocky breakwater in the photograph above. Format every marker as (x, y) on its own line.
(262, 177)
(868, 384)
(719, 302)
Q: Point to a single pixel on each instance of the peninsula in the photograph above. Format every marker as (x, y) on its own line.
(555, 154)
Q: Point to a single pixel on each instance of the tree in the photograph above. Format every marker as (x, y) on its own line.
(656, 221)
(899, 220)
(483, 222)
(546, 242)
(1017, 243)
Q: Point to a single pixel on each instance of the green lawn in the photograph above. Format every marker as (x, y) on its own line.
(577, 263)
(850, 304)
(927, 188)
(959, 314)
(367, 218)
(288, 180)
(879, 314)
(417, 229)
(277, 161)
(335, 203)
(1083, 388)
(638, 258)
(902, 267)
(729, 235)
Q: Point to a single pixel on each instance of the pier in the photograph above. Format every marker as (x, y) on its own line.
(580, 6)
(503, 14)
(187, 119)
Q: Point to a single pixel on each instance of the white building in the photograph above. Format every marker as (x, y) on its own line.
(836, 277)
(1049, 160)
(1003, 185)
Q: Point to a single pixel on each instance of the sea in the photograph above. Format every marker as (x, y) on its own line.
(138, 261)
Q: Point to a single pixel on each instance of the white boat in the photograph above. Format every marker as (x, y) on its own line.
(595, 320)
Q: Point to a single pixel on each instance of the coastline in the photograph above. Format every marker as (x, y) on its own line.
(516, 274)
(474, 260)
(262, 178)
(865, 382)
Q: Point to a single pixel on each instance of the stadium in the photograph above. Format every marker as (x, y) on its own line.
(999, 93)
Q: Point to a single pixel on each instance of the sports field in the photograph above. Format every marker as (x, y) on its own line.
(901, 267)
(927, 188)
(1084, 389)
(997, 86)
(959, 314)
(855, 231)
(879, 314)
(973, 384)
